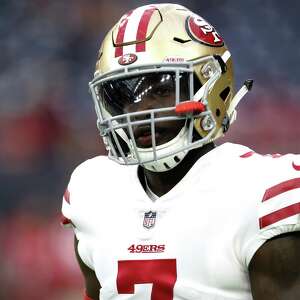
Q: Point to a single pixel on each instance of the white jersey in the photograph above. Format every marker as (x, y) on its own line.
(196, 241)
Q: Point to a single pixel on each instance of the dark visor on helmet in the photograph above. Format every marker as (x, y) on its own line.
(143, 92)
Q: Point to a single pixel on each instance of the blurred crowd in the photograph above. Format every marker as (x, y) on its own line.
(47, 122)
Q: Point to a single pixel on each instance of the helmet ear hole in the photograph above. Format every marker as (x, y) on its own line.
(225, 93)
(197, 84)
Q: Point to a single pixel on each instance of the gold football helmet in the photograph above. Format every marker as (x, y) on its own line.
(162, 66)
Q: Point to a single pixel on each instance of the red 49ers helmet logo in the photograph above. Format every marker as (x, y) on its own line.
(201, 31)
(127, 59)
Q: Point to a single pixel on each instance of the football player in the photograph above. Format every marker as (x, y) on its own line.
(168, 215)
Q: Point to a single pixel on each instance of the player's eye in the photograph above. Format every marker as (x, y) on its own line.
(163, 91)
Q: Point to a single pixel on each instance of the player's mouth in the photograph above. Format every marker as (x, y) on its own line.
(143, 136)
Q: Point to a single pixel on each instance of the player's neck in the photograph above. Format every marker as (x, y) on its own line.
(162, 182)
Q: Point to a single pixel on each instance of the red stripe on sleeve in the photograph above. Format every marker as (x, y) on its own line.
(247, 154)
(280, 214)
(67, 196)
(281, 188)
(121, 34)
(64, 220)
(296, 167)
(141, 34)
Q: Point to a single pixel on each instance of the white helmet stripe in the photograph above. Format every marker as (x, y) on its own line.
(134, 26)
(226, 55)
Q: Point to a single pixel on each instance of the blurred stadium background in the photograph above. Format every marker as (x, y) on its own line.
(47, 122)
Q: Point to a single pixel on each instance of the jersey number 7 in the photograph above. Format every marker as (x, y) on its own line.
(161, 273)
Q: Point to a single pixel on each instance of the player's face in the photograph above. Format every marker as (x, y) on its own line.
(147, 92)
(155, 92)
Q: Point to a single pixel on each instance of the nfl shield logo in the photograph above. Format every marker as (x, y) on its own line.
(149, 219)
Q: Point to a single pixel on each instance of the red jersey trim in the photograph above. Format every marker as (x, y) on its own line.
(121, 35)
(247, 154)
(280, 214)
(65, 221)
(281, 188)
(296, 167)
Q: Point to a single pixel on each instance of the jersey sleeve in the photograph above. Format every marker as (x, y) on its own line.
(74, 211)
(277, 209)
(73, 199)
